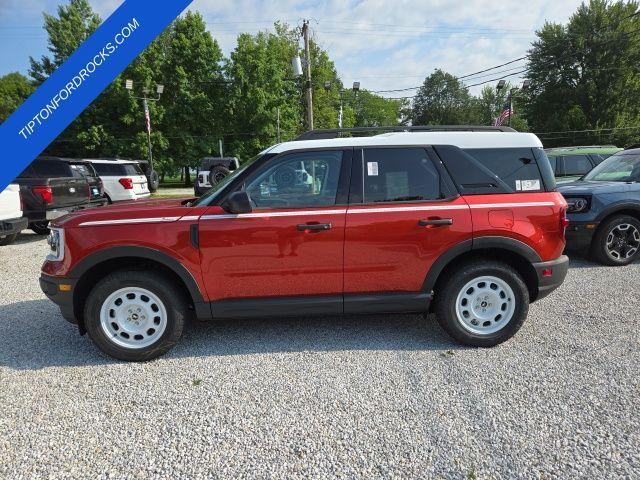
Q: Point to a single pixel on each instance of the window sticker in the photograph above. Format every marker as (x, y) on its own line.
(372, 169)
(528, 185)
(518, 185)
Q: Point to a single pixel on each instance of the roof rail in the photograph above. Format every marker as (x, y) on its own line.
(338, 132)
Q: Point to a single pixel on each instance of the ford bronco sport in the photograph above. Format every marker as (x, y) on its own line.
(466, 224)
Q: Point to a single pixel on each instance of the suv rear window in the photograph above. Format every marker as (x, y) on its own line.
(117, 169)
(47, 169)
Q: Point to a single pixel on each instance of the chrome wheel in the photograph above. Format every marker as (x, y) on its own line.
(622, 242)
(485, 305)
(133, 317)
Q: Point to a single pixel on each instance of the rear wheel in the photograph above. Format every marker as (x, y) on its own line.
(135, 315)
(482, 303)
(218, 174)
(617, 241)
(41, 228)
(8, 239)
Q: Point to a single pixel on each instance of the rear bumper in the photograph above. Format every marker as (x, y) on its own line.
(580, 234)
(551, 275)
(13, 225)
(50, 286)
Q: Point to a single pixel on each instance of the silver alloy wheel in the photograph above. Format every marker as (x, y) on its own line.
(623, 242)
(133, 317)
(485, 305)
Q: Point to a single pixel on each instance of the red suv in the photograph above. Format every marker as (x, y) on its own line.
(466, 224)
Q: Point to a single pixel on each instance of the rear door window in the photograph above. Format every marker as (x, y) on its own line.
(517, 167)
(576, 165)
(399, 175)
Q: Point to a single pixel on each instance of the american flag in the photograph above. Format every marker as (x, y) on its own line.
(506, 113)
(147, 117)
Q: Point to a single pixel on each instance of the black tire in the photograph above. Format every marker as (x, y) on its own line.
(8, 240)
(40, 228)
(447, 292)
(599, 248)
(172, 298)
(217, 174)
(153, 181)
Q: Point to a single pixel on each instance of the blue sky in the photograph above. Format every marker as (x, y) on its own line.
(384, 44)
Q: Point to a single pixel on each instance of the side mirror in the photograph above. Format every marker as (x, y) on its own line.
(237, 202)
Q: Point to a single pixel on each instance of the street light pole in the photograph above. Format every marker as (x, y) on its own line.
(145, 102)
(307, 55)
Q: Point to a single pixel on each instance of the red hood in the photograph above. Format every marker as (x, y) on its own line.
(169, 209)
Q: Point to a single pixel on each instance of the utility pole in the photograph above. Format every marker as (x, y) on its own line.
(307, 56)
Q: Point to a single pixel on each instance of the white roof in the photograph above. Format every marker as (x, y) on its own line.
(108, 161)
(459, 139)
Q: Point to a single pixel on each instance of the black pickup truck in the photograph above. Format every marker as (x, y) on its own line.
(52, 187)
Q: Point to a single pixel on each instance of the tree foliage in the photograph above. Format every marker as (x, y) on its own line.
(584, 75)
(14, 89)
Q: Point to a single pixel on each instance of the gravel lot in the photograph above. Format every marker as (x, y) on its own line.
(380, 396)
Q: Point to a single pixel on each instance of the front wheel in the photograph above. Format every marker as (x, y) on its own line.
(482, 303)
(135, 315)
(617, 241)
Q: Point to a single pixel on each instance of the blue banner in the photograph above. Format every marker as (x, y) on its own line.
(79, 80)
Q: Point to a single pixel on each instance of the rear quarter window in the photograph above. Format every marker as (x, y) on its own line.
(517, 167)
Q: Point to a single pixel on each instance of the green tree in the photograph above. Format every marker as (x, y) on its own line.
(442, 100)
(584, 74)
(14, 89)
(194, 103)
(261, 83)
(72, 26)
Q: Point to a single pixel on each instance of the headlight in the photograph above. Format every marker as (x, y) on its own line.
(578, 204)
(56, 242)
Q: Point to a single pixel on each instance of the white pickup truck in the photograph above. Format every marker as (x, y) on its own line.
(11, 220)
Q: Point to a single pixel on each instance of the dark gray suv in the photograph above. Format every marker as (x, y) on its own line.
(604, 210)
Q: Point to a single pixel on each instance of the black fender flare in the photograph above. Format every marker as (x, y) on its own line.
(109, 253)
(495, 242)
(616, 207)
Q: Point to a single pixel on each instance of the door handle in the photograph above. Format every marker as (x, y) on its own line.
(435, 222)
(303, 227)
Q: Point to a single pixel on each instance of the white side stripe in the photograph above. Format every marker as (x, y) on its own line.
(130, 220)
(432, 208)
(512, 205)
(408, 209)
(274, 214)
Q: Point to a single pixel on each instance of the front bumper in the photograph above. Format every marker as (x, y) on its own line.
(14, 225)
(550, 275)
(579, 235)
(50, 286)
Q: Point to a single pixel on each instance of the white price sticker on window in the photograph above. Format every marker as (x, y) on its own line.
(372, 169)
(528, 185)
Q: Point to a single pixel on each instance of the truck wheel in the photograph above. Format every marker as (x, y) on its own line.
(482, 303)
(8, 240)
(41, 228)
(617, 241)
(135, 315)
(217, 174)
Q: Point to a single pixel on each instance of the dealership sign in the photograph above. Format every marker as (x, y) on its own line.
(79, 80)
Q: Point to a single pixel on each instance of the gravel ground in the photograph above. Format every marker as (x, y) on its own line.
(380, 396)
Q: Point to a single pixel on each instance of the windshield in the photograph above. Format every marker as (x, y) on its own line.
(621, 167)
(208, 197)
